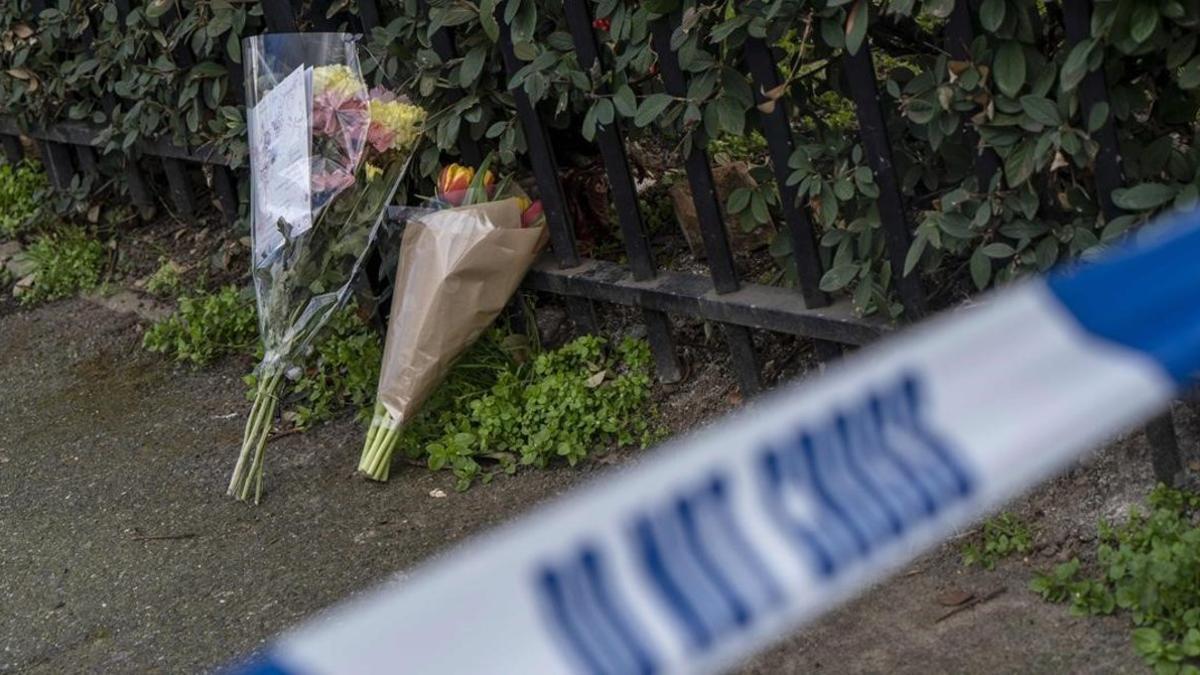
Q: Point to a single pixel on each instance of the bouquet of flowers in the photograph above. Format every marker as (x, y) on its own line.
(326, 157)
(458, 267)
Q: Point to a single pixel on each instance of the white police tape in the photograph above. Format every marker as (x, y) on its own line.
(718, 543)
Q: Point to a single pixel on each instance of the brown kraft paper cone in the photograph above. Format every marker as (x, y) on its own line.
(457, 270)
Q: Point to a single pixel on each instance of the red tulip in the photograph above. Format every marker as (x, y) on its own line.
(454, 180)
(532, 214)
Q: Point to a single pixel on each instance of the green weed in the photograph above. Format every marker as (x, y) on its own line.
(1002, 536)
(562, 405)
(205, 327)
(344, 363)
(20, 187)
(1149, 568)
(166, 281)
(65, 262)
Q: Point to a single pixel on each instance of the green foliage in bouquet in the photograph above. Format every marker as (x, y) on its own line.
(65, 262)
(1149, 569)
(21, 185)
(343, 371)
(205, 327)
(561, 406)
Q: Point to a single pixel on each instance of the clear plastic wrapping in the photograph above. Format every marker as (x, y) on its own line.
(326, 157)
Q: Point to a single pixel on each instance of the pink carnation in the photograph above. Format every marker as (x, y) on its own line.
(336, 180)
(343, 119)
(380, 137)
(383, 95)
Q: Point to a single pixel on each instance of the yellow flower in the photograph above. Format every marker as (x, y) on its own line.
(338, 80)
(395, 124)
(373, 171)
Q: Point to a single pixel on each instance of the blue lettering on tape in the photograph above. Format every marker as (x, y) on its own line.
(836, 490)
(861, 479)
(700, 565)
(588, 615)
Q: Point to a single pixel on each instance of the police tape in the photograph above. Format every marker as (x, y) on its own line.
(719, 543)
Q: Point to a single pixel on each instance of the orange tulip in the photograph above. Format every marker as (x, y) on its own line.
(454, 180)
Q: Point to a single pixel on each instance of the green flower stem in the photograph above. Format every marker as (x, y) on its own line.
(373, 430)
(248, 470)
(256, 470)
(252, 424)
(382, 438)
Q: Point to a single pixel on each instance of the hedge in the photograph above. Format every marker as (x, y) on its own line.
(163, 69)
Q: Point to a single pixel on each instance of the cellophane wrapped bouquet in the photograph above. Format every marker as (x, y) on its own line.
(326, 157)
(458, 267)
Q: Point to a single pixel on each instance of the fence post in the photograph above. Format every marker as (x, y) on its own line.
(317, 11)
(959, 34)
(872, 128)
(1093, 90)
(468, 149)
(178, 181)
(368, 15)
(279, 16)
(708, 211)
(1077, 19)
(60, 167)
(12, 148)
(135, 181)
(545, 169)
(624, 194)
(777, 130)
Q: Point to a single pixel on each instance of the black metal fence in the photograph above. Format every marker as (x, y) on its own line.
(722, 297)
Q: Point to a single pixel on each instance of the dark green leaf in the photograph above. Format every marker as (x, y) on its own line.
(1019, 163)
(1189, 74)
(991, 14)
(732, 115)
(981, 269)
(856, 25)
(998, 250)
(604, 111)
(651, 107)
(1097, 117)
(838, 277)
(914, 253)
(1143, 21)
(1041, 109)
(625, 101)
(739, 200)
(487, 19)
(472, 66)
(1076, 66)
(1009, 68)
(588, 127)
(1144, 197)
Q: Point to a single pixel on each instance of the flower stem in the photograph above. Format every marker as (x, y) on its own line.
(377, 459)
(248, 469)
